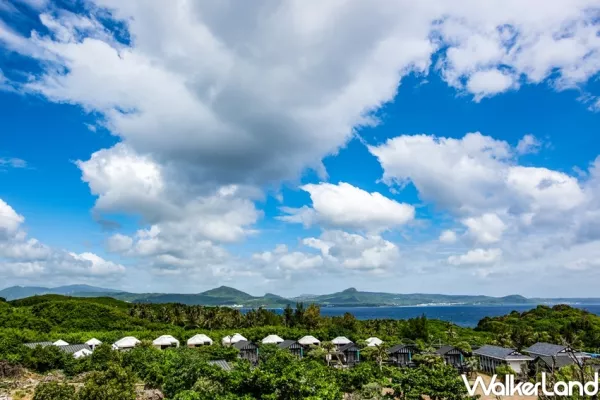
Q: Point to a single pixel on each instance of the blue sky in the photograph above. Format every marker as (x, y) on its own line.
(300, 148)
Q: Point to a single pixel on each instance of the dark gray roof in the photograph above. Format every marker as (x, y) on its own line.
(36, 344)
(447, 349)
(348, 347)
(545, 349)
(221, 363)
(402, 348)
(287, 344)
(244, 345)
(501, 353)
(555, 362)
(74, 348)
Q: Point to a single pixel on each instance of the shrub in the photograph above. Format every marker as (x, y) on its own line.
(54, 391)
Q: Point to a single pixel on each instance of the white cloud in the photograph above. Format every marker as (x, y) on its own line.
(528, 144)
(476, 257)
(346, 206)
(448, 236)
(11, 162)
(489, 82)
(356, 252)
(22, 257)
(485, 229)
(10, 221)
(119, 243)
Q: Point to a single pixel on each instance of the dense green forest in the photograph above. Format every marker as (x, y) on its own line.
(185, 374)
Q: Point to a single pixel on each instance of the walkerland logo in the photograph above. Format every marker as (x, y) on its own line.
(510, 388)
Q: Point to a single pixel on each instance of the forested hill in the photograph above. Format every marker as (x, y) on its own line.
(227, 296)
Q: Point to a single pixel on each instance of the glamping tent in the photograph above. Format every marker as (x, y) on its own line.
(309, 340)
(341, 341)
(93, 343)
(199, 340)
(128, 342)
(272, 339)
(229, 340)
(60, 343)
(165, 341)
(373, 341)
(82, 353)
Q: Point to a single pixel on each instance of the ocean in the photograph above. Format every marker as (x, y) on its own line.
(467, 315)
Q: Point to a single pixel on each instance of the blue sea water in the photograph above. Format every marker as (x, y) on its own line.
(467, 315)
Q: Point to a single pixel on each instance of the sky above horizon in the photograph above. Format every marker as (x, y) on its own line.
(301, 147)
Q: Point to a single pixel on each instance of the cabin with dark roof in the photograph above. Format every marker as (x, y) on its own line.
(350, 354)
(248, 351)
(452, 355)
(401, 355)
(293, 347)
(38, 344)
(224, 365)
(491, 357)
(550, 364)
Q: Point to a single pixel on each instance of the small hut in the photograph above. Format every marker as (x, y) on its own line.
(272, 339)
(451, 355)
(199, 341)
(401, 355)
(126, 343)
(293, 347)
(309, 340)
(165, 341)
(93, 343)
(248, 350)
(350, 354)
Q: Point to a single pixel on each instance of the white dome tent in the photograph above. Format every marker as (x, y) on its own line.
(165, 341)
(373, 341)
(60, 342)
(128, 342)
(309, 340)
(229, 340)
(341, 340)
(199, 340)
(82, 353)
(272, 339)
(93, 343)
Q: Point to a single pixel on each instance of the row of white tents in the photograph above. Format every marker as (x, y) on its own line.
(166, 341)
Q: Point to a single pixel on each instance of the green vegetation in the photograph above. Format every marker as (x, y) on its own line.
(187, 374)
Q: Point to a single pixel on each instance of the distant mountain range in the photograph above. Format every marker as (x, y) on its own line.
(227, 296)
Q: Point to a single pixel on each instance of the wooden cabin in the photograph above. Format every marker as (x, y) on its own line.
(350, 354)
(451, 355)
(293, 347)
(401, 355)
(248, 351)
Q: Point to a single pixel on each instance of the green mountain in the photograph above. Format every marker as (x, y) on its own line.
(228, 296)
(19, 292)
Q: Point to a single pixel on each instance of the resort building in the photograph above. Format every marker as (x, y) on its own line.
(401, 355)
(309, 341)
(451, 355)
(229, 340)
(491, 357)
(373, 341)
(165, 341)
(551, 364)
(93, 343)
(542, 349)
(224, 365)
(199, 341)
(38, 344)
(272, 339)
(248, 350)
(128, 342)
(293, 347)
(341, 341)
(350, 354)
(77, 350)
